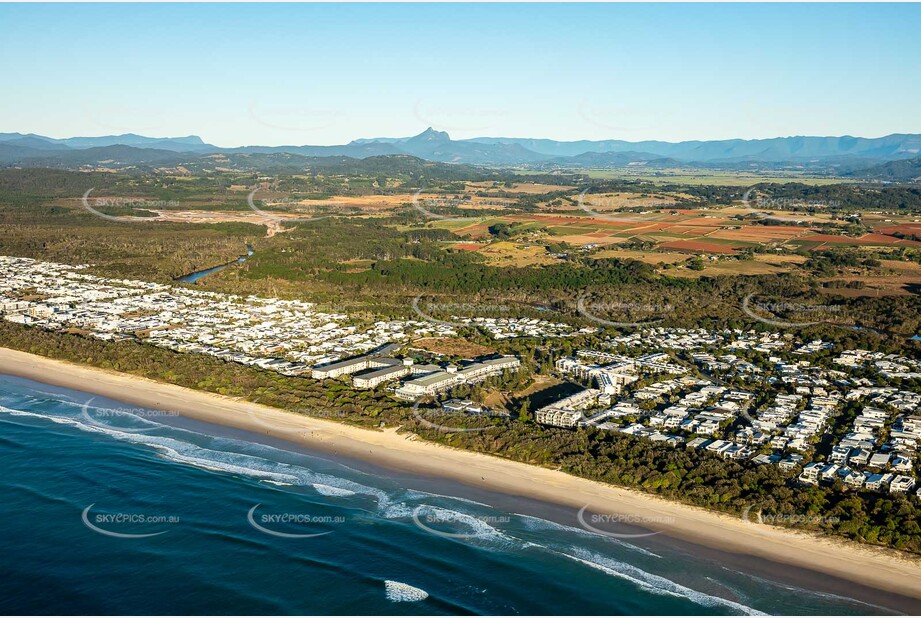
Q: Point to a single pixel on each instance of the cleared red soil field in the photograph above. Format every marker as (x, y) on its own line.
(866, 239)
(561, 219)
(649, 227)
(692, 230)
(906, 228)
(760, 233)
(474, 231)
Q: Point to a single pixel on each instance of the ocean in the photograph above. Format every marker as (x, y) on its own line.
(110, 510)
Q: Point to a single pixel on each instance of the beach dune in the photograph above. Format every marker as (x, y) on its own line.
(877, 568)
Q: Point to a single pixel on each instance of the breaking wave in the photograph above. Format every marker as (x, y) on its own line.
(398, 592)
(655, 584)
(240, 464)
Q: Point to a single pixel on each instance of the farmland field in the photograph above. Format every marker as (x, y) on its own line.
(518, 187)
(731, 267)
(517, 255)
(647, 257)
(713, 230)
(696, 177)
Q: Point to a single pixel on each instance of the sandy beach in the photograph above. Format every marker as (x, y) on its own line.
(872, 567)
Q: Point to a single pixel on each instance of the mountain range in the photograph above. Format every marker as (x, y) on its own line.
(845, 155)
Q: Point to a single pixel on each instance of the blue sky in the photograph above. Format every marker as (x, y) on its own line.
(325, 74)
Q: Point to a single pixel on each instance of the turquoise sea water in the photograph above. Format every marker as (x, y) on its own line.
(108, 510)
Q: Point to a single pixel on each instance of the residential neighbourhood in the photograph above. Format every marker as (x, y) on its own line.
(836, 418)
(765, 397)
(284, 335)
(290, 337)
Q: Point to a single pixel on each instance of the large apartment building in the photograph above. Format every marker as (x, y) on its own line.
(567, 412)
(557, 417)
(443, 380)
(374, 360)
(394, 369)
(610, 378)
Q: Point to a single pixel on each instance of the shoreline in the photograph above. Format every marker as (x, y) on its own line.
(871, 568)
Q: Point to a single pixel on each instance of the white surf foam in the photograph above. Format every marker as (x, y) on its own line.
(278, 483)
(216, 465)
(454, 524)
(655, 584)
(398, 592)
(416, 494)
(329, 490)
(241, 464)
(539, 525)
(54, 396)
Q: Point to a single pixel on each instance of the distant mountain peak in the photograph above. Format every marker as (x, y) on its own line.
(431, 135)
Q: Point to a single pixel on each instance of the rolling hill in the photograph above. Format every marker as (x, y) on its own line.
(906, 170)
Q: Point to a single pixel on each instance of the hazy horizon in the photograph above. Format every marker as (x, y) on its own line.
(422, 130)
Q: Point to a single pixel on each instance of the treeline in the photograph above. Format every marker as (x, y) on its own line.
(700, 194)
(34, 186)
(454, 273)
(844, 197)
(827, 261)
